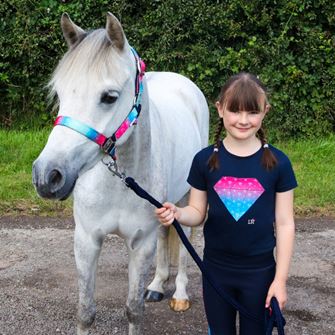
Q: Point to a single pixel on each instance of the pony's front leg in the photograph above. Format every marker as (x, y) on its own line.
(180, 300)
(140, 258)
(155, 290)
(87, 249)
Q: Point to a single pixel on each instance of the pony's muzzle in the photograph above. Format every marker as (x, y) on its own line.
(52, 183)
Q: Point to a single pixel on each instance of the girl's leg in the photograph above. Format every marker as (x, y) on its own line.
(253, 288)
(221, 316)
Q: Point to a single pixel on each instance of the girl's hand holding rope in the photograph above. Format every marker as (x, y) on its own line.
(167, 214)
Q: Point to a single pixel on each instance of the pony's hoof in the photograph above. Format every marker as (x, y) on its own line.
(153, 296)
(181, 305)
(81, 331)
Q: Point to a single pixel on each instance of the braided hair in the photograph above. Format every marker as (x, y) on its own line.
(269, 161)
(213, 161)
(242, 92)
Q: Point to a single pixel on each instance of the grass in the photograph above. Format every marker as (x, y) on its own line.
(18, 150)
(313, 162)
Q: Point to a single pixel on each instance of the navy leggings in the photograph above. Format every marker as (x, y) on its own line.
(247, 280)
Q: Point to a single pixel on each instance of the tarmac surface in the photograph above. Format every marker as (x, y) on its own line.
(38, 286)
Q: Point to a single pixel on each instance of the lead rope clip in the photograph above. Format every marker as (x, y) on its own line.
(113, 167)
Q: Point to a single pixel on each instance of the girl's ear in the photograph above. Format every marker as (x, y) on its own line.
(219, 107)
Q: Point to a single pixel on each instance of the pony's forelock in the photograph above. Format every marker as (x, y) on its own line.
(94, 58)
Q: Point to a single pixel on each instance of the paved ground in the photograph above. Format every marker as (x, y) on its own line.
(38, 289)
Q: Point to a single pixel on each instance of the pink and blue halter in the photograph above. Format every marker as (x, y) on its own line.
(108, 143)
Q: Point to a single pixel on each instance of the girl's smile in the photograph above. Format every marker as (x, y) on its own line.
(243, 129)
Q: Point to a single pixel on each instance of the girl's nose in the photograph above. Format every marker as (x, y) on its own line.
(243, 119)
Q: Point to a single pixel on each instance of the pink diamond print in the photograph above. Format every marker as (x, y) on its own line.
(238, 194)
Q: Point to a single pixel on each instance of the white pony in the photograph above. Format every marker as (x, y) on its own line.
(98, 82)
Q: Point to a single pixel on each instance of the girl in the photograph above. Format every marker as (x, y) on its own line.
(247, 185)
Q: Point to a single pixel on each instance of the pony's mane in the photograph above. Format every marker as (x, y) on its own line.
(93, 56)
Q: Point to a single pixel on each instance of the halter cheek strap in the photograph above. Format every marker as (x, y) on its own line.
(108, 143)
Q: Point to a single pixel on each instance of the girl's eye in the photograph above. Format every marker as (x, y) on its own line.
(254, 112)
(108, 98)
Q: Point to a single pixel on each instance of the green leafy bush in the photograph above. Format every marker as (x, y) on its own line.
(288, 44)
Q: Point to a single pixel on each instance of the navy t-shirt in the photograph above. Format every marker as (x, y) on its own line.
(241, 199)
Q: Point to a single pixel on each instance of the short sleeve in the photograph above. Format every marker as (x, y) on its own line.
(196, 177)
(286, 179)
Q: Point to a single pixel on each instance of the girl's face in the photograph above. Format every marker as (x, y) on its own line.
(242, 125)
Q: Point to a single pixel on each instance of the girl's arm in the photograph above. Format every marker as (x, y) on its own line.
(192, 215)
(284, 246)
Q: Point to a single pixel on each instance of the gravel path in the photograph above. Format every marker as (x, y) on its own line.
(38, 288)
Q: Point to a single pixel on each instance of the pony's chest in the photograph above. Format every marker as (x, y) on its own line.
(96, 188)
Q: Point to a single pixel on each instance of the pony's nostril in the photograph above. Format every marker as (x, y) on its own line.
(55, 179)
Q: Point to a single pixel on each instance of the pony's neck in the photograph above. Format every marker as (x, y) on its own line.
(130, 154)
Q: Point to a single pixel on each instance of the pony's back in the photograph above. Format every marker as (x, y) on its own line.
(179, 119)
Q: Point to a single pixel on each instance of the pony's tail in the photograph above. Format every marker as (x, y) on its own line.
(174, 242)
(174, 245)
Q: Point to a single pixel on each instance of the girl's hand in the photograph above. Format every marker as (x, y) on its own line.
(167, 214)
(278, 290)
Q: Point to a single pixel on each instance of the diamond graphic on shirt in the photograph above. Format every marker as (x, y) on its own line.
(238, 194)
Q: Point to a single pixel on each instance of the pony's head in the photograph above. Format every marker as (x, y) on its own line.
(94, 84)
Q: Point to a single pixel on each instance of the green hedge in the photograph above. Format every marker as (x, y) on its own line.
(289, 44)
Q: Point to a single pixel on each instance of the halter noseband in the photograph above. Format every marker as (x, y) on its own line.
(107, 144)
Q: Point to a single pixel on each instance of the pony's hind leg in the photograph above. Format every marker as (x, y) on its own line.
(180, 300)
(155, 290)
(140, 259)
(87, 249)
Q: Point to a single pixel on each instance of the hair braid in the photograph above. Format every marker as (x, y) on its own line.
(213, 160)
(269, 160)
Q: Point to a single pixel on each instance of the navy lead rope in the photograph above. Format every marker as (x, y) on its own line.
(275, 319)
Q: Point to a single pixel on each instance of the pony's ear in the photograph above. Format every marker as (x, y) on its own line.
(72, 33)
(115, 32)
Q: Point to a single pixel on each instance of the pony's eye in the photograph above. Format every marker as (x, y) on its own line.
(108, 98)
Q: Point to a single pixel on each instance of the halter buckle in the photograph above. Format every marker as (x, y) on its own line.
(108, 146)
